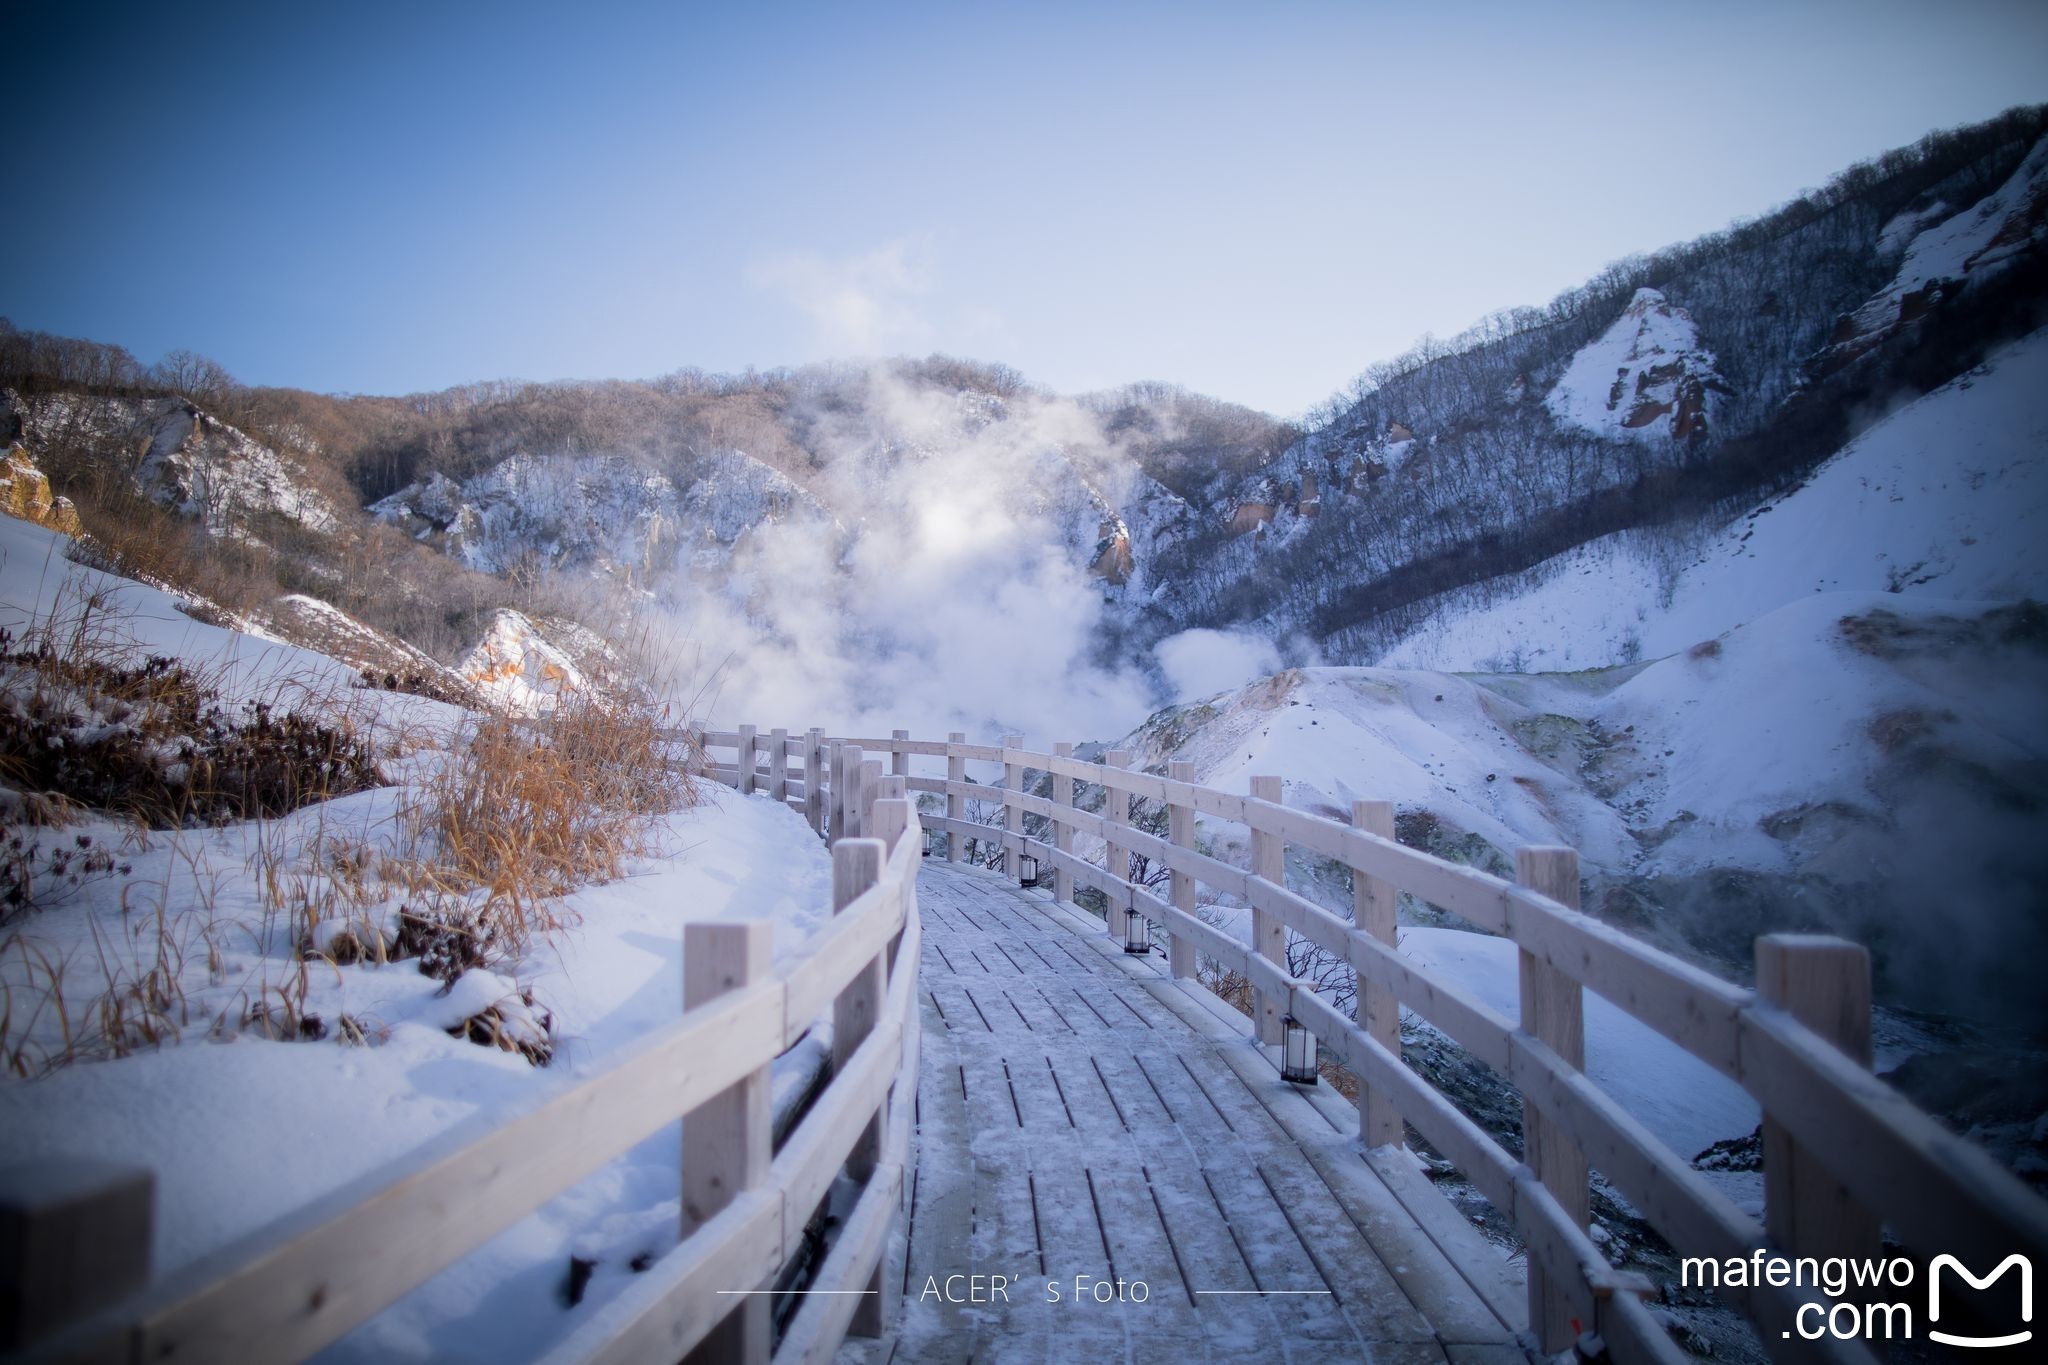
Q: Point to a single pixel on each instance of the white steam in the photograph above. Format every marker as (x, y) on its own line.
(951, 588)
(1200, 663)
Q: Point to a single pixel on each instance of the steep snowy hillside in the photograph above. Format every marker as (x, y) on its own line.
(1841, 764)
(603, 515)
(181, 457)
(247, 1005)
(1945, 497)
(1961, 251)
(1646, 377)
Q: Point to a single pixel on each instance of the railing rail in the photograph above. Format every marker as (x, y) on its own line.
(1889, 1165)
(301, 1283)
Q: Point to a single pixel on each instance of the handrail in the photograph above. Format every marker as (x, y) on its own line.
(286, 1290)
(1936, 1191)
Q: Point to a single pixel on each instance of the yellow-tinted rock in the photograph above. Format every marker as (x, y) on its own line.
(25, 493)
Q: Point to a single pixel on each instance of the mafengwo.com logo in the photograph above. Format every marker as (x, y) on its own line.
(2026, 1269)
(1874, 1315)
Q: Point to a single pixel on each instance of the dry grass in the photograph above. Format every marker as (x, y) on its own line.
(524, 812)
(501, 820)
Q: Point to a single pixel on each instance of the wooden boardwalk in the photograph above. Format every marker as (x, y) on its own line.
(1080, 1115)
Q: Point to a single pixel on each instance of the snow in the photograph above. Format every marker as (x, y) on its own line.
(1944, 496)
(516, 667)
(1779, 716)
(1652, 350)
(241, 1130)
(1969, 245)
(1678, 1097)
(1422, 740)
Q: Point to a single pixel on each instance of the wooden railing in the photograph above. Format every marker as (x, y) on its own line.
(1846, 1156)
(72, 1231)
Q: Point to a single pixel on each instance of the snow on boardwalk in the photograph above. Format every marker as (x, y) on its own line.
(1080, 1115)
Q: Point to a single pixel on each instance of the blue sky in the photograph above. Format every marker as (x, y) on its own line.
(1255, 201)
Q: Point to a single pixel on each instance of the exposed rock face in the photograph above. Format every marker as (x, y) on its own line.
(515, 666)
(1646, 377)
(1250, 516)
(599, 513)
(1958, 251)
(181, 457)
(1113, 562)
(25, 493)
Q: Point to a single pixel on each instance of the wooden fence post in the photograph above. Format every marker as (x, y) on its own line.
(899, 759)
(778, 761)
(814, 779)
(1824, 983)
(1374, 904)
(848, 800)
(856, 867)
(1013, 819)
(1269, 932)
(728, 1141)
(956, 803)
(1180, 831)
(1554, 1012)
(858, 1010)
(1116, 859)
(870, 778)
(743, 759)
(835, 808)
(74, 1238)
(1062, 832)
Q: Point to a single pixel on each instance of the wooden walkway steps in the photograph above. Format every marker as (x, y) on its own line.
(1081, 1115)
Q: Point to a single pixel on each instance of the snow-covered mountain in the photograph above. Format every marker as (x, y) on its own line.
(1644, 378)
(1944, 497)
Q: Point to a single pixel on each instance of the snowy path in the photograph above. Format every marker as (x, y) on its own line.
(1081, 1115)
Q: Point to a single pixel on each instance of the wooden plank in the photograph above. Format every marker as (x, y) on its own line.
(728, 1141)
(747, 761)
(778, 764)
(857, 868)
(74, 1237)
(1180, 830)
(1553, 1013)
(1375, 903)
(1691, 1007)
(877, 745)
(300, 1283)
(835, 955)
(1824, 983)
(814, 778)
(1269, 931)
(838, 1292)
(1063, 828)
(665, 1311)
(1140, 1248)
(1013, 815)
(1116, 858)
(956, 803)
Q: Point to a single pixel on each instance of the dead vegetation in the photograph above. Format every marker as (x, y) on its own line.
(498, 818)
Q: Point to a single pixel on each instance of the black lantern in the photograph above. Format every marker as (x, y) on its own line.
(1297, 1052)
(1027, 869)
(1137, 932)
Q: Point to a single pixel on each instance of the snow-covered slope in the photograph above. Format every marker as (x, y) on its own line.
(1946, 497)
(242, 1129)
(211, 471)
(1646, 376)
(1957, 251)
(517, 667)
(1429, 742)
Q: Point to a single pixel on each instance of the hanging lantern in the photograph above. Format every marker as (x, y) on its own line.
(1297, 1053)
(1137, 932)
(1027, 869)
